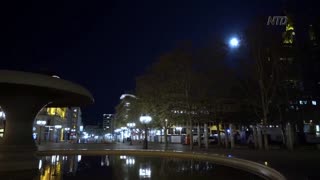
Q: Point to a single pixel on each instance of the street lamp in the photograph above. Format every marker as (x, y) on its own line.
(145, 120)
(131, 125)
(40, 123)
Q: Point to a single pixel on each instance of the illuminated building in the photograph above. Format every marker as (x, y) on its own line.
(298, 52)
(74, 122)
(301, 53)
(61, 124)
(107, 123)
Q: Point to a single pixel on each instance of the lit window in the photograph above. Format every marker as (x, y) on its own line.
(314, 103)
(288, 35)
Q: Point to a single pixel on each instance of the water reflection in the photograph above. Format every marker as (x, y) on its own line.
(129, 167)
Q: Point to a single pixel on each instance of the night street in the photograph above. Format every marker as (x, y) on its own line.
(155, 89)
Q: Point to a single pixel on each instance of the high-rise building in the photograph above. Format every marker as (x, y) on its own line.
(296, 51)
(75, 122)
(107, 123)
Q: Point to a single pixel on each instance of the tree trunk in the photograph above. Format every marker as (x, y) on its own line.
(266, 141)
(282, 126)
(226, 135)
(206, 135)
(255, 136)
(265, 134)
(231, 136)
(259, 137)
(283, 135)
(219, 135)
(160, 136)
(191, 135)
(289, 137)
(165, 137)
(199, 135)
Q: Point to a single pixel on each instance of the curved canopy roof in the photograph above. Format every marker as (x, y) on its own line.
(57, 91)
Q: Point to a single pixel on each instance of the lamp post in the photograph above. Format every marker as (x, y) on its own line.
(131, 125)
(145, 120)
(40, 123)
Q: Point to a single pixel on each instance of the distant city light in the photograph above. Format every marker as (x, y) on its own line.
(145, 172)
(55, 76)
(234, 42)
(41, 122)
(2, 114)
(58, 126)
(123, 157)
(179, 128)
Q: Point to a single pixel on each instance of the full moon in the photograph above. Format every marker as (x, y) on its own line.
(234, 42)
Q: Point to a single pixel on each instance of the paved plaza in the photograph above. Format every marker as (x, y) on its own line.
(302, 164)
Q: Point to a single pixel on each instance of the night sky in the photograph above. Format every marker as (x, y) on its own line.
(104, 45)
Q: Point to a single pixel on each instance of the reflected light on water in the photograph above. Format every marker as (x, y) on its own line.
(130, 161)
(53, 159)
(131, 167)
(107, 162)
(145, 173)
(40, 164)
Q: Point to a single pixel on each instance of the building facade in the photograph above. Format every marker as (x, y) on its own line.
(57, 124)
(107, 123)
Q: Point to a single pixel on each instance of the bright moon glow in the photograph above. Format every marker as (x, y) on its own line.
(234, 42)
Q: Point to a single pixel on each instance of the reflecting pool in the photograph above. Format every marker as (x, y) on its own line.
(58, 167)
